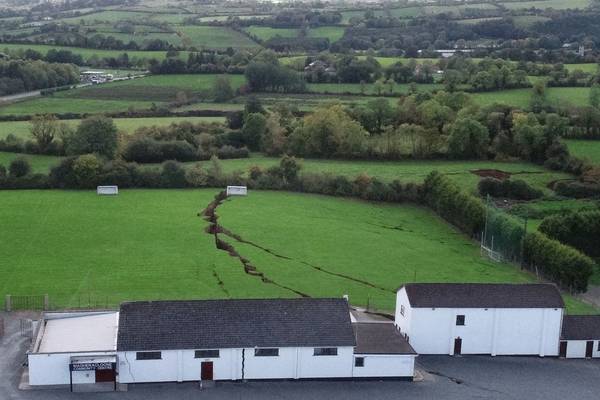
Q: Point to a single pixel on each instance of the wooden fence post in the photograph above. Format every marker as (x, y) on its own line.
(7, 303)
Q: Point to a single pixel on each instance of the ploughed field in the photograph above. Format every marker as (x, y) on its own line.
(151, 244)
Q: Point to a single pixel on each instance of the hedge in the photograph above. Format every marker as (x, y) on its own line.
(580, 230)
(517, 189)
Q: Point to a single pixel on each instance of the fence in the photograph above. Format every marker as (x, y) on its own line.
(503, 235)
(30, 303)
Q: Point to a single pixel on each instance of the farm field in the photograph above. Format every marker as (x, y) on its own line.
(21, 129)
(543, 4)
(577, 96)
(333, 33)
(140, 248)
(58, 105)
(266, 33)
(215, 37)
(88, 53)
(588, 149)
(369, 88)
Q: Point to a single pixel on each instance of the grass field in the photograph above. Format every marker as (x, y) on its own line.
(543, 4)
(588, 149)
(590, 68)
(215, 37)
(87, 53)
(58, 105)
(370, 88)
(266, 33)
(22, 128)
(577, 96)
(38, 163)
(150, 244)
(333, 33)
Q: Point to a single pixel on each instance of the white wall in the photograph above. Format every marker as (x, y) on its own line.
(576, 349)
(53, 369)
(500, 331)
(311, 366)
(375, 365)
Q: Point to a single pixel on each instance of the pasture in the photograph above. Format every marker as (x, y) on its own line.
(544, 4)
(58, 105)
(266, 33)
(215, 37)
(39, 163)
(370, 88)
(586, 149)
(150, 244)
(577, 96)
(22, 129)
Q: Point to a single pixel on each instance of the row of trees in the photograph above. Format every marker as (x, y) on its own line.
(19, 75)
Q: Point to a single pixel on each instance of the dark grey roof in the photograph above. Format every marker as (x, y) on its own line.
(208, 324)
(581, 327)
(380, 338)
(483, 295)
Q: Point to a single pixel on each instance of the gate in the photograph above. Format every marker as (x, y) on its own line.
(26, 303)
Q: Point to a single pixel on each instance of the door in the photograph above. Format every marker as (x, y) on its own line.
(105, 375)
(562, 351)
(457, 346)
(206, 373)
(589, 349)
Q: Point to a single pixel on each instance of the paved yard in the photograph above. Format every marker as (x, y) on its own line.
(447, 378)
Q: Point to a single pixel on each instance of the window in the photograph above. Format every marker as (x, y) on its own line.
(266, 352)
(402, 310)
(460, 320)
(206, 354)
(148, 355)
(359, 362)
(325, 351)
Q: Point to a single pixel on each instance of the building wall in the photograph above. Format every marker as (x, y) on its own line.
(53, 369)
(180, 365)
(576, 349)
(500, 331)
(377, 365)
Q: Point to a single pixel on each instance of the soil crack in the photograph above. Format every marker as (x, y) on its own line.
(209, 214)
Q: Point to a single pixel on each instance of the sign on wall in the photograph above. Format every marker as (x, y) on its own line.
(91, 366)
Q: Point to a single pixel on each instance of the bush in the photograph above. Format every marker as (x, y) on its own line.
(558, 262)
(577, 190)
(173, 175)
(97, 134)
(579, 229)
(19, 167)
(148, 150)
(86, 170)
(517, 189)
(229, 152)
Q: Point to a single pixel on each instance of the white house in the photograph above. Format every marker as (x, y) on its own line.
(205, 340)
(580, 336)
(471, 318)
(75, 348)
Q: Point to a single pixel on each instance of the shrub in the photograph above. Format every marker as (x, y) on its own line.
(579, 229)
(173, 175)
(196, 176)
(86, 169)
(558, 262)
(228, 152)
(97, 134)
(19, 167)
(517, 189)
(2, 171)
(577, 189)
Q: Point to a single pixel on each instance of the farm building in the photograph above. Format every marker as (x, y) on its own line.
(580, 336)
(496, 319)
(210, 340)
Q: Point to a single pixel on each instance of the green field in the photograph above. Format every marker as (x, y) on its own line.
(215, 37)
(58, 105)
(543, 4)
(38, 163)
(333, 33)
(590, 68)
(266, 33)
(577, 96)
(150, 244)
(587, 149)
(88, 53)
(369, 88)
(21, 129)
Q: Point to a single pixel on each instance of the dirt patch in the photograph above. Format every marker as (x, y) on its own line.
(492, 173)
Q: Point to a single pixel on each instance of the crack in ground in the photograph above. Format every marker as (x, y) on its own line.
(209, 214)
(237, 237)
(220, 281)
(459, 381)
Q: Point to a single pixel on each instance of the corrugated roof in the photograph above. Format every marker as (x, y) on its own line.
(483, 295)
(380, 338)
(581, 327)
(208, 324)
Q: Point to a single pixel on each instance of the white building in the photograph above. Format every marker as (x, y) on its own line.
(176, 341)
(580, 336)
(74, 349)
(206, 340)
(496, 319)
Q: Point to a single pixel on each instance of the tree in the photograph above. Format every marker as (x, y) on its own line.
(595, 96)
(254, 129)
(97, 134)
(274, 138)
(44, 128)
(468, 139)
(290, 167)
(539, 99)
(382, 111)
(222, 90)
(19, 167)
(253, 105)
(434, 115)
(86, 169)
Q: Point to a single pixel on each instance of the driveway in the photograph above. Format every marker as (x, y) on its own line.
(445, 378)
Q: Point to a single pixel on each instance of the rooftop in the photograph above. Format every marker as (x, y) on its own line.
(581, 327)
(483, 295)
(380, 338)
(208, 324)
(78, 332)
